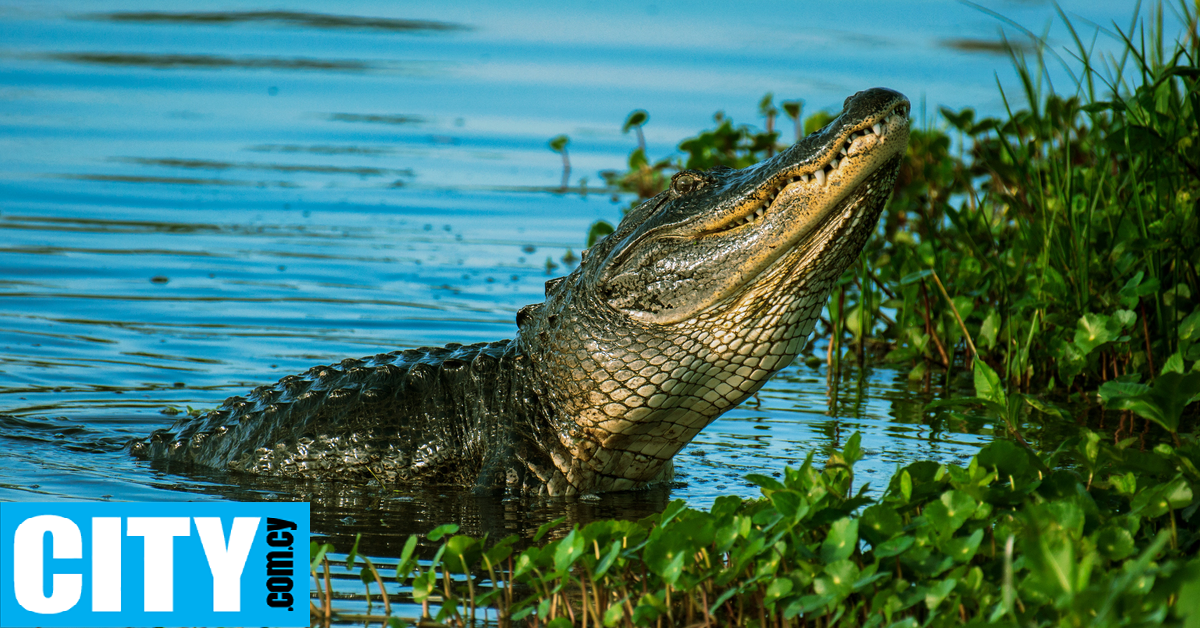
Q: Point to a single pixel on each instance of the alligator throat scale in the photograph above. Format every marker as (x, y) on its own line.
(699, 296)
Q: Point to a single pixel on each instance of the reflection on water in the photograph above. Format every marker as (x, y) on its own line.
(161, 61)
(285, 18)
(196, 203)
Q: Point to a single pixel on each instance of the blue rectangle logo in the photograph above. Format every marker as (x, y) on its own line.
(154, 564)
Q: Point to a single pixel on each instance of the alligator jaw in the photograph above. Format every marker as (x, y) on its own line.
(700, 247)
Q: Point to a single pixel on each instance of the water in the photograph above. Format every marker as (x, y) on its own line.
(196, 201)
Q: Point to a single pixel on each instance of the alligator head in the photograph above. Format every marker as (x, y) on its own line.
(701, 294)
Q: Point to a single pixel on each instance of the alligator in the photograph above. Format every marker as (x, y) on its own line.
(696, 299)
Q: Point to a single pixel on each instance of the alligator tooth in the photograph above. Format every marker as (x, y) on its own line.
(833, 164)
(844, 151)
(820, 175)
(877, 128)
(805, 178)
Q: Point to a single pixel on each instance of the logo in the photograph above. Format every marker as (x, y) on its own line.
(154, 564)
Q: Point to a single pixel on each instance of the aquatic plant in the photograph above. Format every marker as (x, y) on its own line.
(1011, 538)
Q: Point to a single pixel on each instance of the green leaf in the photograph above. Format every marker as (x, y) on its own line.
(1189, 329)
(615, 612)
(422, 586)
(558, 143)
(598, 231)
(962, 549)
(893, 547)
(949, 513)
(1162, 403)
(403, 567)
(502, 549)
(778, 588)
(570, 548)
(318, 552)
(462, 552)
(880, 523)
(606, 561)
(544, 528)
(665, 554)
(988, 385)
(353, 552)
(437, 533)
(852, 452)
(915, 277)
(636, 118)
(767, 483)
(1093, 330)
(989, 330)
(559, 622)
(1174, 364)
(841, 540)
(938, 592)
(1115, 542)
(790, 504)
(838, 580)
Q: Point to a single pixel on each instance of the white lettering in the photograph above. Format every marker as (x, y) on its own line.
(227, 563)
(106, 564)
(28, 570)
(159, 568)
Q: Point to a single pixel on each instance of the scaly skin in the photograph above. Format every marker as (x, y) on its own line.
(699, 296)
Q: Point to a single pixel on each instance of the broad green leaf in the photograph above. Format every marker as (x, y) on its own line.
(437, 533)
(778, 588)
(1189, 328)
(606, 561)
(462, 552)
(988, 385)
(570, 548)
(880, 523)
(893, 547)
(615, 613)
(790, 504)
(962, 549)
(989, 330)
(841, 540)
(1115, 543)
(1093, 330)
(949, 513)
(1174, 364)
(938, 592)
(1163, 403)
(853, 449)
(838, 580)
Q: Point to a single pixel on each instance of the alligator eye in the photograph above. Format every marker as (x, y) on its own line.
(686, 181)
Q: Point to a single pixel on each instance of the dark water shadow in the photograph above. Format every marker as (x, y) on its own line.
(301, 19)
(173, 61)
(987, 46)
(209, 164)
(376, 118)
(387, 516)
